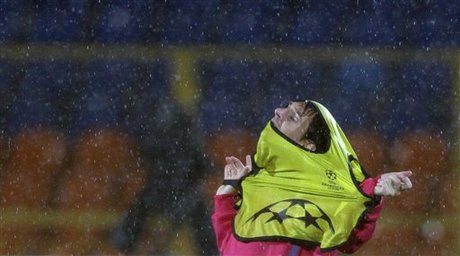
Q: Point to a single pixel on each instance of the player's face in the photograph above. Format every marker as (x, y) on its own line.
(293, 120)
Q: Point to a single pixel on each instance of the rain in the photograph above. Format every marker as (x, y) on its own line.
(116, 116)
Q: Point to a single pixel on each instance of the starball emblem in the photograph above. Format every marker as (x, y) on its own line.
(331, 174)
(310, 214)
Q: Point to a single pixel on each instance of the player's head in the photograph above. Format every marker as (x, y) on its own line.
(302, 122)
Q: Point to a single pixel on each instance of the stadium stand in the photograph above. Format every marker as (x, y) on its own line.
(425, 153)
(104, 177)
(184, 22)
(28, 185)
(362, 82)
(105, 83)
(431, 82)
(243, 22)
(121, 22)
(314, 22)
(432, 24)
(228, 142)
(224, 82)
(370, 147)
(59, 21)
(12, 21)
(72, 124)
(41, 98)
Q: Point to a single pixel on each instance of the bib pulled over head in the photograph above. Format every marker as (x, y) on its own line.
(301, 196)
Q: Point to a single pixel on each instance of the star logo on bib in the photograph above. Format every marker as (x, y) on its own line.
(330, 174)
(295, 209)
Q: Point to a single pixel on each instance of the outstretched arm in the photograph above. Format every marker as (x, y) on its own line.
(393, 183)
(233, 172)
(225, 198)
(388, 184)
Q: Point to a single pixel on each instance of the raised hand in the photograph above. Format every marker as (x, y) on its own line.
(233, 172)
(393, 183)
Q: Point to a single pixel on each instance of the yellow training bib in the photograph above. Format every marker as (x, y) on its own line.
(300, 196)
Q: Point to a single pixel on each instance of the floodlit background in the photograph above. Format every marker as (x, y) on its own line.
(116, 112)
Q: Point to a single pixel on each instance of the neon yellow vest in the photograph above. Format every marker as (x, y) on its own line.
(301, 196)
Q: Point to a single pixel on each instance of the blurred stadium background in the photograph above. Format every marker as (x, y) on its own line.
(76, 77)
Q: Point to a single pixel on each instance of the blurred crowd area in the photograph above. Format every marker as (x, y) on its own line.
(89, 111)
(295, 22)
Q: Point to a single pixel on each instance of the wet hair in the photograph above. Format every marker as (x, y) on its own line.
(319, 132)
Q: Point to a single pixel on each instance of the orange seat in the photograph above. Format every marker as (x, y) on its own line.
(409, 234)
(105, 172)
(27, 185)
(20, 239)
(228, 142)
(421, 151)
(370, 148)
(422, 217)
(426, 155)
(391, 239)
(103, 180)
(449, 194)
(36, 160)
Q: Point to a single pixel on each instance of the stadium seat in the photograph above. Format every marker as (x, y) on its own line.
(369, 30)
(124, 22)
(4, 156)
(230, 142)
(104, 162)
(35, 123)
(19, 239)
(9, 73)
(43, 95)
(27, 186)
(11, 21)
(426, 155)
(227, 100)
(161, 237)
(244, 95)
(449, 197)
(85, 239)
(227, 142)
(103, 179)
(400, 235)
(432, 24)
(315, 23)
(419, 98)
(35, 161)
(372, 23)
(287, 81)
(412, 228)
(100, 104)
(356, 101)
(184, 22)
(370, 147)
(150, 90)
(156, 237)
(243, 22)
(57, 21)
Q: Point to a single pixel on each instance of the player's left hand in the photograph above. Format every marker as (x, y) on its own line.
(393, 183)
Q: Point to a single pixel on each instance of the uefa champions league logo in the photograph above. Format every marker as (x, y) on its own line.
(302, 210)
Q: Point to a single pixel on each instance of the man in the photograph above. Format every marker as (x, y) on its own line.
(307, 194)
(173, 155)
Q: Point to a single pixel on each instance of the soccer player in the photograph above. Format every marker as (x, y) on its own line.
(303, 192)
